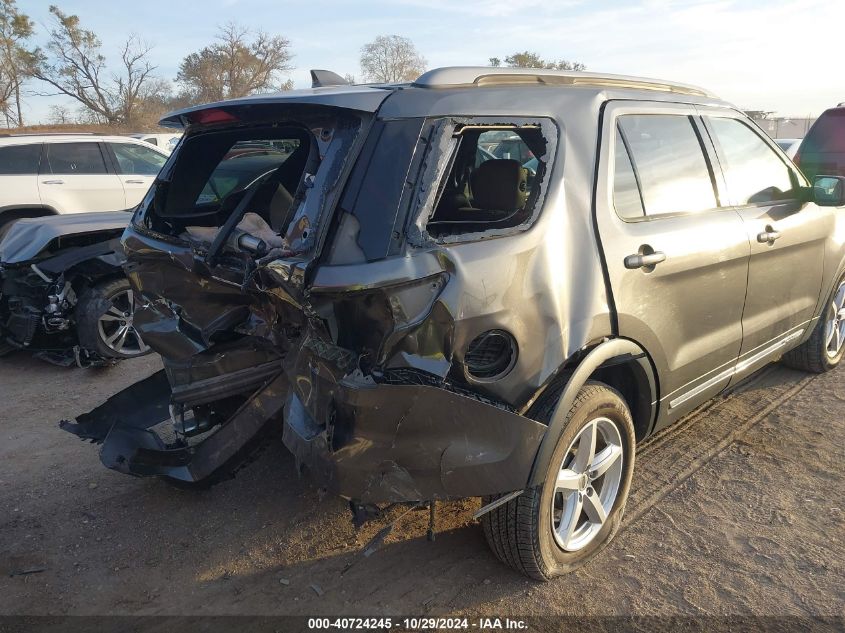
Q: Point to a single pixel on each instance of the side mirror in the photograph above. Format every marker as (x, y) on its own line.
(829, 191)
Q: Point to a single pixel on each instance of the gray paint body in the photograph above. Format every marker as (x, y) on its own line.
(560, 288)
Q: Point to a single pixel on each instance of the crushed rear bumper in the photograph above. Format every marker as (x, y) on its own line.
(126, 426)
(385, 443)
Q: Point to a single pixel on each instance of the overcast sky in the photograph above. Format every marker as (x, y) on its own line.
(780, 55)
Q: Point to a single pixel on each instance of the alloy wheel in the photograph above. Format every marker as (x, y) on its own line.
(587, 484)
(115, 326)
(834, 335)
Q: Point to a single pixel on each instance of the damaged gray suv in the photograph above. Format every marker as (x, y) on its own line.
(485, 283)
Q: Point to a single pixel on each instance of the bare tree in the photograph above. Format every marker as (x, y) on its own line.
(74, 66)
(16, 59)
(391, 59)
(528, 59)
(240, 62)
(60, 115)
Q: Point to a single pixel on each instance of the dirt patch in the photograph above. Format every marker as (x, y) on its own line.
(738, 509)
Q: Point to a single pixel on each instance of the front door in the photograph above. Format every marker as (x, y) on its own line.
(787, 238)
(137, 167)
(677, 256)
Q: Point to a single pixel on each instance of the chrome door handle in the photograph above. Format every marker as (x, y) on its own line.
(768, 236)
(52, 182)
(632, 262)
(134, 182)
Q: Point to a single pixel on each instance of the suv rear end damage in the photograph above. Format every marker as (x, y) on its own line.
(368, 293)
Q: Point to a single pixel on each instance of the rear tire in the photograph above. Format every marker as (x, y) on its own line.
(554, 528)
(104, 321)
(825, 348)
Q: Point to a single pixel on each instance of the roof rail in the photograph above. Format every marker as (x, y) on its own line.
(8, 134)
(477, 76)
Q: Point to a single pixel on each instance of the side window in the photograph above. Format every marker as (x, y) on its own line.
(669, 161)
(137, 159)
(626, 193)
(75, 158)
(20, 159)
(753, 171)
(494, 180)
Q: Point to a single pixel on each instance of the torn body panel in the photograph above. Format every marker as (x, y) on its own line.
(134, 428)
(384, 443)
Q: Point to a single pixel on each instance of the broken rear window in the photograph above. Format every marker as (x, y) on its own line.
(245, 162)
(277, 176)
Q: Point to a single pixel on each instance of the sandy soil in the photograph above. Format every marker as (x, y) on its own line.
(738, 509)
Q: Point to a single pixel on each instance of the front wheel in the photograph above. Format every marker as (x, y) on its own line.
(825, 348)
(104, 319)
(556, 527)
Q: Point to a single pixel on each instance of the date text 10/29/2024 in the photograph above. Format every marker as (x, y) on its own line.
(420, 624)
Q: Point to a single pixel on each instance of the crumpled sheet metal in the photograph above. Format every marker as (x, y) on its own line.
(385, 443)
(413, 443)
(123, 425)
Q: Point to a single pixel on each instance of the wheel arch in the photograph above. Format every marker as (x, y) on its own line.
(620, 363)
(20, 211)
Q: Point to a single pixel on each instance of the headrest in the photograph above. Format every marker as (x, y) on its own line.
(499, 184)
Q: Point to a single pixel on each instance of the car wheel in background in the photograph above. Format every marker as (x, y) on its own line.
(104, 318)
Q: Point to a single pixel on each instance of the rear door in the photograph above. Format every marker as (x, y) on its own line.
(75, 178)
(19, 175)
(787, 237)
(676, 255)
(137, 167)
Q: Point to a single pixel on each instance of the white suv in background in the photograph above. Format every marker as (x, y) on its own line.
(167, 142)
(73, 173)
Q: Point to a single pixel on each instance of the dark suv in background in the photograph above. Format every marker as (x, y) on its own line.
(823, 149)
(430, 319)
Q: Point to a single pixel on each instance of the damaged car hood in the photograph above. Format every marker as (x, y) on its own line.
(27, 238)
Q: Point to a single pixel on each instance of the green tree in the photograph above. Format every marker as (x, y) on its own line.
(528, 59)
(16, 59)
(237, 64)
(391, 59)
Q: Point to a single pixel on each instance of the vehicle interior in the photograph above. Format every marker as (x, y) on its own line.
(489, 185)
(217, 170)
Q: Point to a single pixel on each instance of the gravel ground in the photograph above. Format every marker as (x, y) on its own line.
(738, 509)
